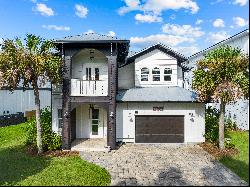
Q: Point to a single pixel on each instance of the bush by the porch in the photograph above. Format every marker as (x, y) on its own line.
(50, 140)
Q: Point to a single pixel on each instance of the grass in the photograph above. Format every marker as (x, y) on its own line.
(21, 169)
(239, 163)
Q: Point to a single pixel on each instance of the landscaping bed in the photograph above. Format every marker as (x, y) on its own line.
(20, 164)
(237, 159)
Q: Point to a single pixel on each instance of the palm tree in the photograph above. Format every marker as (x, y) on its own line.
(30, 63)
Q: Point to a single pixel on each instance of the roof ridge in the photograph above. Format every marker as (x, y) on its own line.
(233, 36)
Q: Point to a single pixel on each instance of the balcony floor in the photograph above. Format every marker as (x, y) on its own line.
(88, 145)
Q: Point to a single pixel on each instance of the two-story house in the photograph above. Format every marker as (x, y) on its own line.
(110, 95)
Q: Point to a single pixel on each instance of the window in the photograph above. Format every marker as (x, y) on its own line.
(167, 74)
(59, 116)
(97, 74)
(156, 74)
(144, 74)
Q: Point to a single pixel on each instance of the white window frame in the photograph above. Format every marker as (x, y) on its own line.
(146, 74)
(168, 74)
(156, 74)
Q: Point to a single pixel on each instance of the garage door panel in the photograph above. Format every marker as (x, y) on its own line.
(159, 138)
(159, 129)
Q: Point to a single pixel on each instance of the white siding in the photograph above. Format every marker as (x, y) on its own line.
(56, 104)
(21, 101)
(193, 130)
(159, 59)
(126, 77)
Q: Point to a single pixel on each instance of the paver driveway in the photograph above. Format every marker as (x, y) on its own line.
(140, 164)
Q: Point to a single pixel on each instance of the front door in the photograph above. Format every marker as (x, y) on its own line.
(96, 124)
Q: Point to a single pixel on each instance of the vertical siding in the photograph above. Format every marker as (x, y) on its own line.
(126, 77)
(194, 128)
(21, 101)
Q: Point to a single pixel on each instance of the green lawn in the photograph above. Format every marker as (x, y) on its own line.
(19, 168)
(240, 162)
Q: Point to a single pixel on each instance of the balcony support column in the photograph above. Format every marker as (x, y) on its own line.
(66, 129)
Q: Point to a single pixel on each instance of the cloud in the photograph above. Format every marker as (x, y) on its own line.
(187, 50)
(199, 21)
(44, 10)
(147, 18)
(218, 23)
(240, 2)
(152, 9)
(55, 27)
(170, 40)
(130, 6)
(81, 11)
(185, 30)
(240, 22)
(111, 33)
(89, 31)
(217, 36)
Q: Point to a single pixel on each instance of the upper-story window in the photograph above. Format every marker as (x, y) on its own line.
(156, 74)
(167, 74)
(144, 74)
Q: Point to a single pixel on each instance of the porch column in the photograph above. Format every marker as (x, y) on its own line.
(66, 131)
(112, 70)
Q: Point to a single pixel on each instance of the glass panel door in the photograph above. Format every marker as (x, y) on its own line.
(95, 121)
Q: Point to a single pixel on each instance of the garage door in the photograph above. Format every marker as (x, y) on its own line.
(159, 129)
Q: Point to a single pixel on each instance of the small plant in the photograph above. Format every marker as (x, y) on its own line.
(212, 127)
(50, 140)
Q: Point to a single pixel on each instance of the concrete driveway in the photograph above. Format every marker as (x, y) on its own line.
(141, 164)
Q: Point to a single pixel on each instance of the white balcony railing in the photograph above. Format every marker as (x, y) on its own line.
(89, 87)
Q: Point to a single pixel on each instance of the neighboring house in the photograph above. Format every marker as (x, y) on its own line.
(138, 98)
(239, 111)
(22, 101)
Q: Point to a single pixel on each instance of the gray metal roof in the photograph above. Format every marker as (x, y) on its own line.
(89, 37)
(157, 94)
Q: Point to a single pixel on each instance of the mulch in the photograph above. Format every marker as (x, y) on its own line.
(216, 152)
(31, 150)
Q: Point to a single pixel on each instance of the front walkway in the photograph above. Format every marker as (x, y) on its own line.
(93, 144)
(135, 164)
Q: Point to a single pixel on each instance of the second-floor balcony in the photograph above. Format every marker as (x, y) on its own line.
(89, 87)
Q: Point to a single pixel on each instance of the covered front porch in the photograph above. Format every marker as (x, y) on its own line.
(89, 127)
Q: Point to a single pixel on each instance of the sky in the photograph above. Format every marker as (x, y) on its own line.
(187, 26)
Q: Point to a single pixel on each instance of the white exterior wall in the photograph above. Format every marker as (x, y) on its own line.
(56, 104)
(126, 76)
(159, 59)
(21, 101)
(239, 111)
(83, 122)
(193, 130)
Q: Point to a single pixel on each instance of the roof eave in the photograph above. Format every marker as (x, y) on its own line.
(91, 41)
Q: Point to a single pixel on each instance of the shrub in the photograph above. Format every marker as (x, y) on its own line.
(212, 126)
(50, 140)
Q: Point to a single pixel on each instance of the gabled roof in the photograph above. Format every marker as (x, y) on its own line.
(90, 38)
(242, 33)
(161, 47)
(157, 94)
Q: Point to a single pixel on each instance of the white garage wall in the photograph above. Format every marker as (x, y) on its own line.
(21, 101)
(194, 127)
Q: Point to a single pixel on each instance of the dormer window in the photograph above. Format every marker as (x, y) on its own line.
(167, 74)
(156, 74)
(144, 74)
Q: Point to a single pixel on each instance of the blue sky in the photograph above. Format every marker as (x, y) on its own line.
(184, 25)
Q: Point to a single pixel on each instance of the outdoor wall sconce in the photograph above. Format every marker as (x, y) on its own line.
(91, 54)
(66, 115)
(111, 114)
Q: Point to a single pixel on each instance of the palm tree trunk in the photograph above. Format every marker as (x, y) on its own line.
(221, 125)
(38, 118)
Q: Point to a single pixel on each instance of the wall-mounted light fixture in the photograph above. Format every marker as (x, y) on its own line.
(91, 54)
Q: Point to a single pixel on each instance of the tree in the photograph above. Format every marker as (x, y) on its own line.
(29, 63)
(222, 76)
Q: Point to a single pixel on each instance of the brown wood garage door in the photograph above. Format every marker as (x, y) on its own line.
(159, 129)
